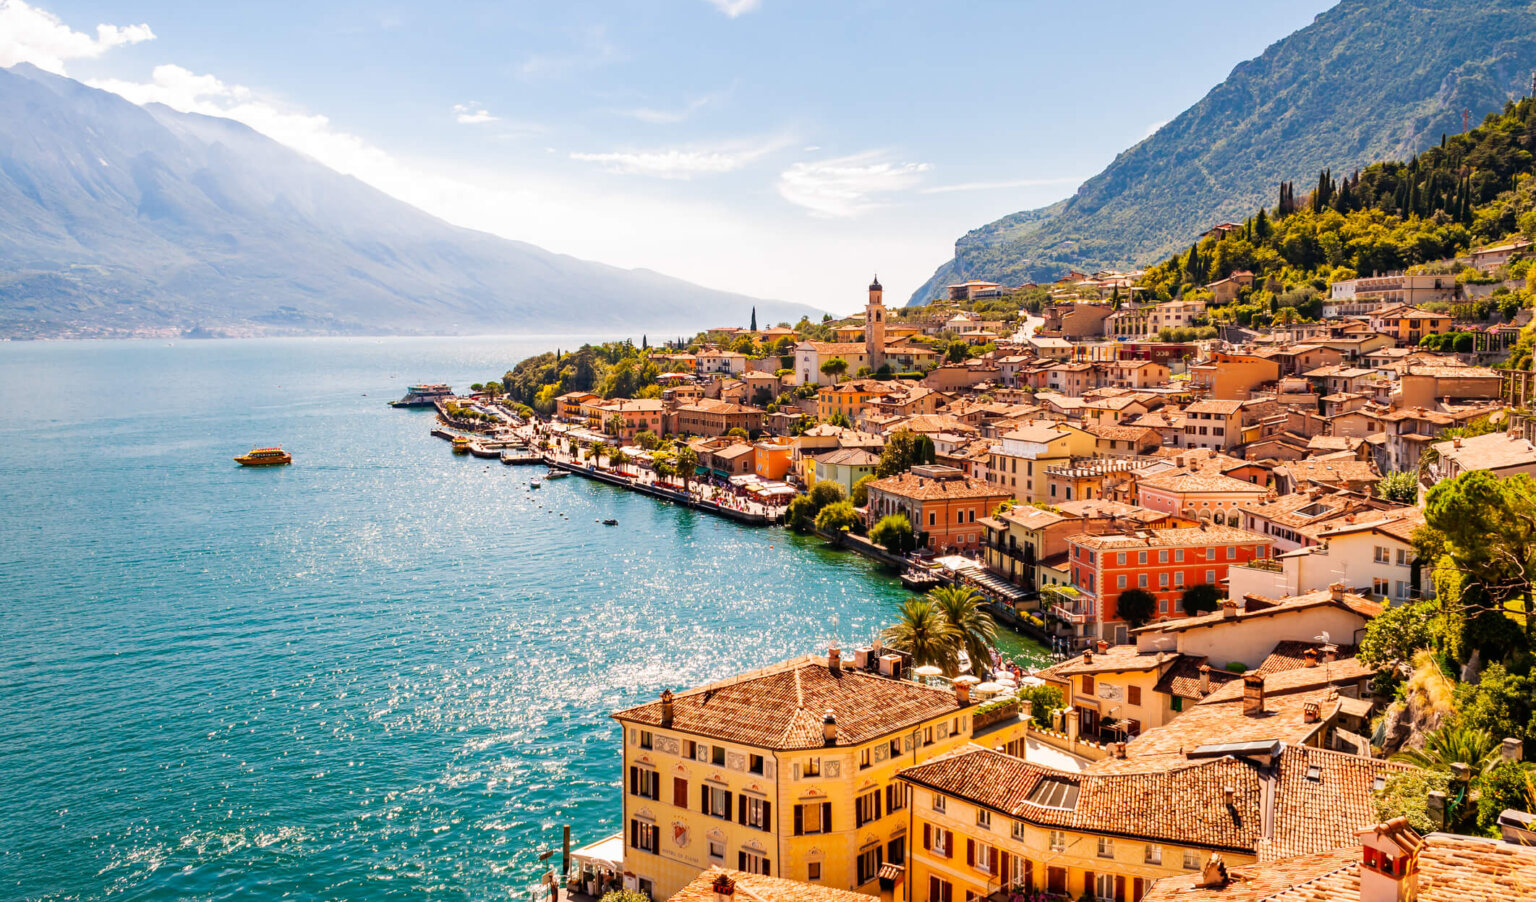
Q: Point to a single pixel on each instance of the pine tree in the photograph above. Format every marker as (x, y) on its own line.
(644, 345)
(1261, 226)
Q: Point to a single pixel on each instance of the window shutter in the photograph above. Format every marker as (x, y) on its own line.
(970, 852)
(634, 781)
(727, 806)
(741, 810)
(767, 868)
(949, 844)
(768, 816)
(1002, 868)
(680, 792)
(878, 815)
(799, 820)
(826, 817)
(741, 861)
(927, 837)
(1089, 884)
(704, 799)
(634, 834)
(992, 861)
(1119, 888)
(1139, 888)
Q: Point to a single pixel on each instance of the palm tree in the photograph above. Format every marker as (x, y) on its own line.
(974, 629)
(924, 633)
(1452, 743)
(687, 462)
(617, 459)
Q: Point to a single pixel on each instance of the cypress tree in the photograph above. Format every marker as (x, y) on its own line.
(1261, 226)
(754, 319)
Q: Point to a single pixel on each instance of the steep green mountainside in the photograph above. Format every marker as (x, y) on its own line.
(1368, 80)
(119, 219)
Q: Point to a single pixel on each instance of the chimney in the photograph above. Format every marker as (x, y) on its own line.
(666, 707)
(1118, 750)
(835, 659)
(1205, 679)
(1310, 712)
(1228, 795)
(1511, 749)
(1389, 869)
(1310, 656)
(1253, 695)
(1336, 591)
(1435, 807)
(1088, 656)
(1228, 609)
(1027, 709)
(1456, 442)
(1103, 646)
(724, 888)
(1214, 874)
(829, 728)
(963, 693)
(1330, 653)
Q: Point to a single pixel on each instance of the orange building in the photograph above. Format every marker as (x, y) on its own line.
(771, 458)
(944, 505)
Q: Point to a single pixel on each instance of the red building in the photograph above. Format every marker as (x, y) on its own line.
(1164, 562)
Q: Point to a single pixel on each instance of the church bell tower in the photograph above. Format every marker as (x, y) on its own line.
(874, 326)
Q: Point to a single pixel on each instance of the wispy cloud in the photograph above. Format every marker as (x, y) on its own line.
(471, 114)
(36, 36)
(681, 162)
(655, 116)
(847, 186)
(734, 8)
(1002, 186)
(593, 49)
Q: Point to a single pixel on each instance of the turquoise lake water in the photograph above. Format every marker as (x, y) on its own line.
(383, 672)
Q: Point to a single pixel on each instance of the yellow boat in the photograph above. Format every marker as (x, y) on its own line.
(461, 444)
(265, 457)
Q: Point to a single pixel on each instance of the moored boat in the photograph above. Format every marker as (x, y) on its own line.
(461, 444)
(424, 395)
(265, 457)
(556, 474)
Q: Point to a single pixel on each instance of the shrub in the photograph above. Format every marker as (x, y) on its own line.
(1203, 598)
(894, 534)
(839, 516)
(1236, 667)
(1136, 606)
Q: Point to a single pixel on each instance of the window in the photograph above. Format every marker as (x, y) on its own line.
(1104, 886)
(755, 813)
(645, 739)
(1162, 579)
(932, 519)
(984, 818)
(1106, 847)
(897, 851)
(717, 756)
(1120, 559)
(644, 783)
(690, 748)
(1018, 831)
(864, 757)
(1210, 576)
(940, 890)
(1178, 556)
(1191, 860)
(755, 764)
(942, 840)
(1087, 685)
(1383, 555)
(938, 803)
(717, 850)
(813, 871)
(752, 863)
(1058, 841)
(1141, 580)
(813, 817)
(715, 802)
(1231, 552)
(813, 767)
(1379, 585)
(1141, 557)
(1153, 854)
(643, 836)
(1120, 582)
(895, 797)
(869, 865)
(1162, 556)
(866, 808)
(985, 857)
(1404, 557)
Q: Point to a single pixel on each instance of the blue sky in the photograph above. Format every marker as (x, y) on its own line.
(773, 147)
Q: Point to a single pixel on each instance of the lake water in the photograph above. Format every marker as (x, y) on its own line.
(383, 672)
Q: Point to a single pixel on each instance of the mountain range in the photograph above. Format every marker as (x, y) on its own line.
(1367, 80)
(119, 219)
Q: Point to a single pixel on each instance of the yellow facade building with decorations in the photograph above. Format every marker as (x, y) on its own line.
(788, 771)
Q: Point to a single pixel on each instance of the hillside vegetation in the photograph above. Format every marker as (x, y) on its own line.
(1368, 80)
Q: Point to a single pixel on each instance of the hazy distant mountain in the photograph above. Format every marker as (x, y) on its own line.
(1368, 80)
(116, 218)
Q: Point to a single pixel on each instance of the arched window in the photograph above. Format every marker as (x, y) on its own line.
(1219, 518)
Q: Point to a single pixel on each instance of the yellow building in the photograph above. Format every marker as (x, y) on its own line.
(1019, 461)
(787, 771)
(984, 821)
(849, 398)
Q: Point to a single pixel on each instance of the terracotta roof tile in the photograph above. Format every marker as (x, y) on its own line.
(758, 888)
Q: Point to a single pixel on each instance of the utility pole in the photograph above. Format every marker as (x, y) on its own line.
(1466, 116)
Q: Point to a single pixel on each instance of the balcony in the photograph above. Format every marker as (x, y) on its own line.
(1068, 613)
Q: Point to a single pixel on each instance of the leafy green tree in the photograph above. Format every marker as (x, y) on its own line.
(861, 490)
(648, 440)
(1044, 699)
(894, 534)
(1501, 703)
(904, 449)
(1399, 486)
(1488, 529)
(738, 432)
(975, 630)
(1402, 630)
(1505, 785)
(1136, 607)
(826, 492)
(625, 895)
(923, 632)
(686, 462)
(1406, 794)
(835, 368)
(837, 517)
(801, 513)
(1202, 598)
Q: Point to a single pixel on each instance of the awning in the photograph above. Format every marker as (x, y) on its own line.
(606, 853)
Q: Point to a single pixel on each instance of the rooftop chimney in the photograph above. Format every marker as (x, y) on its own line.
(1336, 591)
(1088, 656)
(1118, 749)
(666, 707)
(1228, 795)
(1253, 694)
(1330, 653)
(1205, 679)
(829, 728)
(1511, 749)
(1310, 655)
(1214, 874)
(1388, 862)
(1228, 609)
(724, 888)
(835, 659)
(1310, 712)
(963, 693)
(1103, 646)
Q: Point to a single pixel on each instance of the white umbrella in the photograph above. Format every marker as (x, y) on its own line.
(967, 680)
(1007, 680)
(927, 670)
(989, 687)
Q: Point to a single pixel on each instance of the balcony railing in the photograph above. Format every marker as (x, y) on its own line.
(1069, 613)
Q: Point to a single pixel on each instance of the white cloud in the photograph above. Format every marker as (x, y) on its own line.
(1002, 186)
(654, 116)
(734, 8)
(471, 114)
(32, 35)
(679, 162)
(847, 186)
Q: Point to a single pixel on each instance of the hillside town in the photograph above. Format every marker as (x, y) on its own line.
(1219, 532)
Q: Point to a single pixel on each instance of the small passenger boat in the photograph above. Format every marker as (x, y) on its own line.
(610, 522)
(461, 444)
(556, 474)
(265, 457)
(533, 483)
